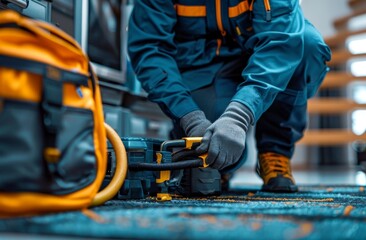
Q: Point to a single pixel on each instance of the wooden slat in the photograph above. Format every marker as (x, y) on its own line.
(340, 38)
(332, 105)
(339, 79)
(341, 23)
(330, 137)
(334, 137)
(342, 56)
(357, 4)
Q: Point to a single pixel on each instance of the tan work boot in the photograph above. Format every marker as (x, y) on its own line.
(275, 170)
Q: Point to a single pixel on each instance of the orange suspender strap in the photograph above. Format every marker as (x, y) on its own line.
(238, 9)
(200, 11)
(190, 11)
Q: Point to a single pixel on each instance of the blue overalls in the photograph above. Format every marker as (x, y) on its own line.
(202, 54)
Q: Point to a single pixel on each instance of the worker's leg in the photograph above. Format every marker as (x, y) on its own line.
(283, 124)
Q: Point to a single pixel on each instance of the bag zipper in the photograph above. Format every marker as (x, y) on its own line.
(219, 25)
(268, 10)
(267, 5)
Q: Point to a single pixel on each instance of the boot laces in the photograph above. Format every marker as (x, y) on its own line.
(271, 163)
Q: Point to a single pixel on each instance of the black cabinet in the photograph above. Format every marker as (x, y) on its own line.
(37, 9)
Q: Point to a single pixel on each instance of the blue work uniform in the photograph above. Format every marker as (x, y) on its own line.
(202, 54)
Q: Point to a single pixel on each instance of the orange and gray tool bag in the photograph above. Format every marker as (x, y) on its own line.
(52, 133)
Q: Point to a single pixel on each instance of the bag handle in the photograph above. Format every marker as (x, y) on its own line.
(42, 29)
(57, 32)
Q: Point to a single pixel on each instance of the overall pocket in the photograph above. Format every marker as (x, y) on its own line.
(22, 167)
(241, 25)
(313, 86)
(277, 8)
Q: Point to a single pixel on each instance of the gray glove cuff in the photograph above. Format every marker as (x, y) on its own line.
(240, 113)
(191, 120)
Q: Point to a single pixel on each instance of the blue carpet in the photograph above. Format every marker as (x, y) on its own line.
(316, 212)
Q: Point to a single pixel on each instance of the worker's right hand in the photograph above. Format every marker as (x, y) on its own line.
(194, 123)
(224, 140)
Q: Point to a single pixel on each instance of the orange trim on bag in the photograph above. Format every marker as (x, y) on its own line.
(190, 11)
(27, 87)
(72, 97)
(238, 9)
(41, 50)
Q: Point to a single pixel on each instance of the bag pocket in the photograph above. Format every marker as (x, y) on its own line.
(22, 166)
(77, 167)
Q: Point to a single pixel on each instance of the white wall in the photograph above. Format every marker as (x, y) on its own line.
(322, 13)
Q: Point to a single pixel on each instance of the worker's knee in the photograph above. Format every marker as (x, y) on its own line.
(313, 68)
(315, 48)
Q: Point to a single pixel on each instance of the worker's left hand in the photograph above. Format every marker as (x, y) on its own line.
(224, 140)
(195, 123)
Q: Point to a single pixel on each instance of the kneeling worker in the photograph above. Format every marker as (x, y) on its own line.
(217, 67)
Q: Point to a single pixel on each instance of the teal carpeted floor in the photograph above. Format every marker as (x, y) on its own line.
(316, 212)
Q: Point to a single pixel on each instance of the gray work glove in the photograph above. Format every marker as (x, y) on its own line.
(194, 123)
(224, 140)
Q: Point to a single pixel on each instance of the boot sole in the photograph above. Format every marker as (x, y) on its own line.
(280, 189)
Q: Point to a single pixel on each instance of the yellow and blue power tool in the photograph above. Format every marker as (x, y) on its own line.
(161, 168)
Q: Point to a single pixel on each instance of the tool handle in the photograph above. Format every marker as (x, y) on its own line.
(193, 163)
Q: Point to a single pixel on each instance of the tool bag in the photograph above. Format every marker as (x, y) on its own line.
(52, 134)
